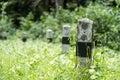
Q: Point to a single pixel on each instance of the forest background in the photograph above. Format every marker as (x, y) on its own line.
(36, 16)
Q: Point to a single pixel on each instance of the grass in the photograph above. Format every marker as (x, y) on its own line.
(38, 60)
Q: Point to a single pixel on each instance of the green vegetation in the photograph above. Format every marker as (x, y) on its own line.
(37, 60)
(106, 22)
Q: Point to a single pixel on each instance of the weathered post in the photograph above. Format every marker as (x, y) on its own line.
(4, 35)
(84, 42)
(49, 35)
(24, 36)
(65, 38)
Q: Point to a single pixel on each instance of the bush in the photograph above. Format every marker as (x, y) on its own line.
(6, 24)
(106, 23)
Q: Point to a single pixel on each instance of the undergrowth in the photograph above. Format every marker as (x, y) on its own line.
(38, 60)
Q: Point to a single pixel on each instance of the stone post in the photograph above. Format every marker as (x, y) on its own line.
(84, 42)
(65, 38)
(49, 35)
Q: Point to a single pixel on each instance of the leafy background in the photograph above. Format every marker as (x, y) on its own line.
(35, 20)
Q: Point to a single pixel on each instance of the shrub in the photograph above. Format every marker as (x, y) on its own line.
(6, 24)
(106, 23)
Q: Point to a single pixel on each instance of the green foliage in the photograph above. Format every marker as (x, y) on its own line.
(33, 29)
(37, 60)
(6, 24)
(118, 2)
(106, 23)
(26, 22)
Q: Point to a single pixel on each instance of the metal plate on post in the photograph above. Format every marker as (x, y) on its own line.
(83, 49)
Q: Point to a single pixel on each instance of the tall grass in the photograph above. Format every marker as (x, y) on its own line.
(38, 60)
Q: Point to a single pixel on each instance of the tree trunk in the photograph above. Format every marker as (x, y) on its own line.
(57, 8)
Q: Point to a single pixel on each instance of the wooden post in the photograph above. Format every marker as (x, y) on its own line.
(84, 42)
(24, 36)
(65, 38)
(49, 35)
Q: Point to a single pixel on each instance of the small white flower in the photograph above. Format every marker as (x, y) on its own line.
(93, 77)
(91, 71)
(98, 54)
(36, 56)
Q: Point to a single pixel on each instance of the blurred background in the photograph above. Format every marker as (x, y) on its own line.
(36, 16)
